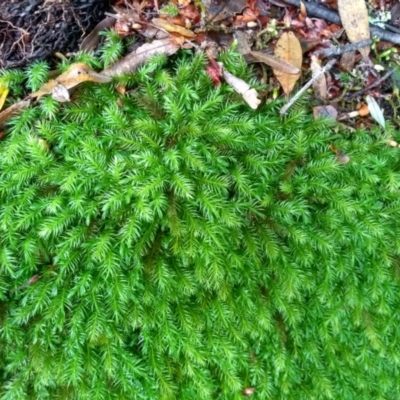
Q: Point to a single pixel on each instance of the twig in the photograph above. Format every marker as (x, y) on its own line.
(327, 67)
(314, 10)
(375, 84)
(338, 50)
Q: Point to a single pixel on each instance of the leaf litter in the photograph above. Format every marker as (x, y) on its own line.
(289, 42)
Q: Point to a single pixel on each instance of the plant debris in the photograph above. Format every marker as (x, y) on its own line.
(290, 41)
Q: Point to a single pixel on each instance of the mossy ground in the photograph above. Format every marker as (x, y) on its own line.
(189, 247)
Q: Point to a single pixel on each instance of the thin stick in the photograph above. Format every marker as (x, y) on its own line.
(375, 84)
(338, 50)
(306, 86)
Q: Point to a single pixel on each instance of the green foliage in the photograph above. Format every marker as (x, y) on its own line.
(36, 74)
(170, 9)
(112, 49)
(189, 247)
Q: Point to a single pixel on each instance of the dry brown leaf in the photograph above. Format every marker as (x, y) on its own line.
(93, 39)
(137, 58)
(276, 63)
(241, 87)
(288, 48)
(319, 84)
(75, 74)
(169, 27)
(8, 112)
(354, 16)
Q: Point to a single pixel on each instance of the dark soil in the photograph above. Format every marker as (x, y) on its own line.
(35, 29)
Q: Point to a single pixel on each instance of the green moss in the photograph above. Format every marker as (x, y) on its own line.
(189, 247)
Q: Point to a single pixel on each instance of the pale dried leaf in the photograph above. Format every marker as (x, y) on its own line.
(276, 63)
(241, 87)
(288, 48)
(60, 93)
(319, 84)
(354, 16)
(75, 74)
(137, 58)
(375, 111)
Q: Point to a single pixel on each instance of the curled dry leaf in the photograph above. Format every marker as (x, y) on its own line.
(354, 16)
(241, 87)
(319, 84)
(75, 74)
(288, 48)
(142, 54)
(278, 64)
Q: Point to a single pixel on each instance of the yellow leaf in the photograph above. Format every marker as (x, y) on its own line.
(354, 16)
(288, 48)
(3, 94)
(169, 27)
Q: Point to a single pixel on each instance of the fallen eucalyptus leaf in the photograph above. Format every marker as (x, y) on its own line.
(288, 48)
(276, 63)
(354, 16)
(137, 58)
